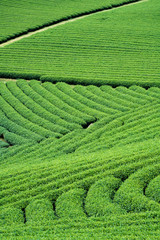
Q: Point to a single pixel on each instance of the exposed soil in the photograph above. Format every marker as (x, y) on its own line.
(2, 139)
(7, 79)
(10, 79)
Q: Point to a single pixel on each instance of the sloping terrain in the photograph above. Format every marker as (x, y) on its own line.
(117, 47)
(79, 145)
(74, 180)
(102, 193)
(20, 17)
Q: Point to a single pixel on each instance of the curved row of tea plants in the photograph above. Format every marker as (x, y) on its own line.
(89, 189)
(23, 16)
(117, 47)
(80, 162)
(52, 177)
(31, 112)
(141, 226)
(132, 127)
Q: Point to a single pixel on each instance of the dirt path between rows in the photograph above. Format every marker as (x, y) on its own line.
(72, 19)
(2, 139)
(7, 80)
(11, 79)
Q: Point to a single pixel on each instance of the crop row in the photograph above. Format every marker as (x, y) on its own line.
(53, 177)
(130, 195)
(152, 191)
(113, 227)
(106, 197)
(33, 111)
(52, 103)
(50, 12)
(108, 192)
(124, 133)
(77, 54)
(77, 165)
(108, 100)
(122, 129)
(28, 108)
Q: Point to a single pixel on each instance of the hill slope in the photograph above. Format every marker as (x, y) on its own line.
(80, 161)
(97, 178)
(117, 47)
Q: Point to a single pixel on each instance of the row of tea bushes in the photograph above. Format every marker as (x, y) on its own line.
(77, 54)
(35, 111)
(53, 176)
(119, 130)
(18, 18)
(152, 191)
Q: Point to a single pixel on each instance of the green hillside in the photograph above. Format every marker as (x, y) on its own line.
(116, 47)
(80, 121)
(77, 194)
(77, 158)
(19, 17)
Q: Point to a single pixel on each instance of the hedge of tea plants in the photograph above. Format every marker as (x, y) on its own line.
(117, 47)
(79, 142)
(100, 173)
(26, 16)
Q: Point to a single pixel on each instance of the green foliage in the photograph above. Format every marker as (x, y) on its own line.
(44, 14)
(130, 195)
(3, 144)
(117, 53)
(70, 204)
(153, 189)
(80, 162)
(50, 177)
(15, 139)
(63, 180)
(54, 105)
(39, 212)
(11, 216)
(32, 112)
(99, 198)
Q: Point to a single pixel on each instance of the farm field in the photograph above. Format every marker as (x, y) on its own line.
(124, 49)
(80, 120)
(21, 17)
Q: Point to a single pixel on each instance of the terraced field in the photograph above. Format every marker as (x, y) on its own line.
(26, 16)
(114, 47)
(79, 141)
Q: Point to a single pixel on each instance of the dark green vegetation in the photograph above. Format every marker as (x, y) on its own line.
(81, 161)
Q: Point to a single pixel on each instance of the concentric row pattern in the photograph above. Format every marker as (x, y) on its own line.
(83, 161)
(102, 199)
(93, 191)
(32, 112)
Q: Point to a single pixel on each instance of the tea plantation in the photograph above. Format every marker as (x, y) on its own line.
(80, 120)
(116, 47)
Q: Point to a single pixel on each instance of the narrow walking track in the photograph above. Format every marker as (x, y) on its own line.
(62, 22)
(9, 79)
